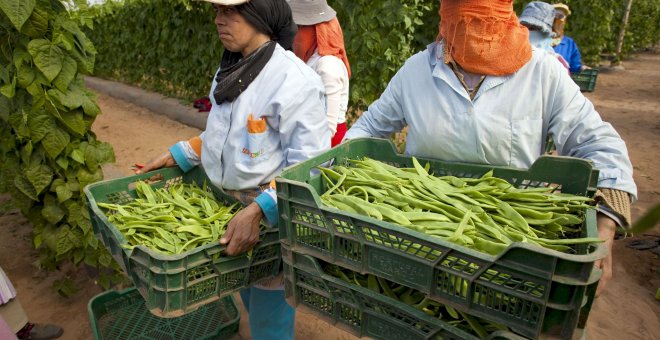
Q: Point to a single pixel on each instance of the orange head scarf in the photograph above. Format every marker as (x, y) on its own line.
(484, 36)
(327, 37)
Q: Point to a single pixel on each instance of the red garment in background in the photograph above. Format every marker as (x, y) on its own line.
(339, 135)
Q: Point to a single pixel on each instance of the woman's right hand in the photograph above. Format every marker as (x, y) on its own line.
(163, 161)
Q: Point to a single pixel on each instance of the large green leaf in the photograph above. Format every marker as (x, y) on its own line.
(74, 121)
(78, 155)
(63, 193)
(40, 175)
(89, 105)
(55, 142)
(86, 177)
(18, 122)
(52, 211)
(40, 124)
(25, 75)
(68, 73)
(9, 90)
(68, 99)
(47, 57)
(68, 239)
(37, 25)
(18, 11)
(23, 184)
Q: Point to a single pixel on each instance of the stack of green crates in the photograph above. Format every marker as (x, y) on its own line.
(586, 79)
(534, 291)
(124, 316)
(174, 285)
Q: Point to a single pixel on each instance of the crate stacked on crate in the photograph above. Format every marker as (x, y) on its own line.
(174, 285)
(586, 79)
(124, 315)
(532, 290)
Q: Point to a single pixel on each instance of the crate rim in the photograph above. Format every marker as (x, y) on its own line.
(599, 252)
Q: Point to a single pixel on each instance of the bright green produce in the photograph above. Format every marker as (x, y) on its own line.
(171, 220)
(480, 327)
(486, 214)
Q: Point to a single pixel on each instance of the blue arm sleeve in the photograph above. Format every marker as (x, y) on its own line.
(268, 205)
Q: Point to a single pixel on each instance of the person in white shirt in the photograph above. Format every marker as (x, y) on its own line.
(268, 112)
(481, 95)
(320, 43)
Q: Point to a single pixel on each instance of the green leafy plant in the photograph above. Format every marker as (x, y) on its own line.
(173, 45)
(48, 153)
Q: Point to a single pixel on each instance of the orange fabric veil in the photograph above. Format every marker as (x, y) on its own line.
(484, 36)
(326, 36)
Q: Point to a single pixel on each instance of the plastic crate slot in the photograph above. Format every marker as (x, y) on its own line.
(342, 293)
(319, 240)
(313, 282)
(261, 271)
(119, 197)
(453, 285)
(460, 265)
(520, 285)
(306, 216)
(342, 226)
(396, 314)
(350, 315)
(232, 279)
(200, 272)
(383, 238)
(319, 302)
(349, 249)
(265, 253)
(202, 290)
(515, 307)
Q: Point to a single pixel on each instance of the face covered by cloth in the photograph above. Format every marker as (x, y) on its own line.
(484, 36)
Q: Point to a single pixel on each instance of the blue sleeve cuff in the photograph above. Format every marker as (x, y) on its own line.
(268, 206)
(179, 156)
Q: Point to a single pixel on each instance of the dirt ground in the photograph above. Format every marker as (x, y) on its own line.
(629, 99)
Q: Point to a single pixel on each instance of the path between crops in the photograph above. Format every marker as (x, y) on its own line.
(629, 99)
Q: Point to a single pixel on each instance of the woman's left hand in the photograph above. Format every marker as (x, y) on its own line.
(243, 230)
(606, 231)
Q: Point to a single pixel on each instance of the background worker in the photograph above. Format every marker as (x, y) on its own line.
(268, 112)
(481, 95)
(320, 44)
(539, 17)
(563, 44)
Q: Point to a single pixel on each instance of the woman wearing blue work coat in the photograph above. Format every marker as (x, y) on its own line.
(482, 94)
(268, 112)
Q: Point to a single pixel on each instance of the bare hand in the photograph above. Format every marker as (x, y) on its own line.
(585, 67)
(606, 231)
(243, 230)
(162, 161)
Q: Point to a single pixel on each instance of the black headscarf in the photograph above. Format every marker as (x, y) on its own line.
(270, 17)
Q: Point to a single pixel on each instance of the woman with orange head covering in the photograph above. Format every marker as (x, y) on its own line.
(480, 94)
(320, 44)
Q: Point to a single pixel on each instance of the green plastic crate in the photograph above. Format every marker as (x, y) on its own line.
(586, 79)
(174, 285)
(536, 290)
(123, 315)
(361, 311)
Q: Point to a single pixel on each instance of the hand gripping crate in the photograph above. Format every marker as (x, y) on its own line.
(586, 79)
(360, 311)
(174, 285)
(532, 290)
(124, 316)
